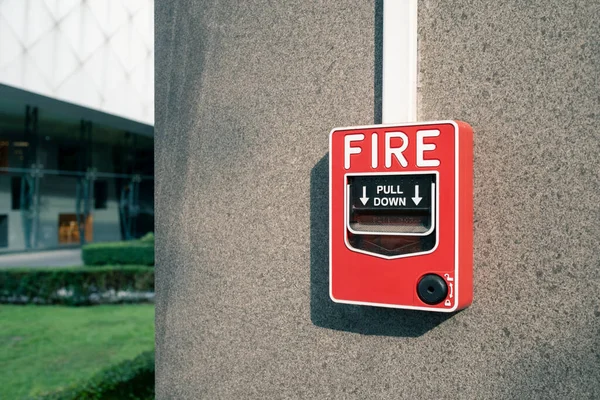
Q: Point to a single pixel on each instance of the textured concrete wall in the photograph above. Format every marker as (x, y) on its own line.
(247, 93)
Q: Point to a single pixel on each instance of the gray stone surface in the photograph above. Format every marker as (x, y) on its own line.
(247, 93)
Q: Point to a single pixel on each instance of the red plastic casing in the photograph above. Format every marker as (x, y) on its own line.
(367, 279)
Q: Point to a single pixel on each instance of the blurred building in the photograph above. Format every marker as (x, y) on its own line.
(76, 122)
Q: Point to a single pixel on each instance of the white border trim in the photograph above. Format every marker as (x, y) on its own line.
(456, 216)
(399, 64)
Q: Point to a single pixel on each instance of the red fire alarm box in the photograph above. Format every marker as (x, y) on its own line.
(401, 215)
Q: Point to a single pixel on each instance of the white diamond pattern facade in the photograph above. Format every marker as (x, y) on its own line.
(94, 53)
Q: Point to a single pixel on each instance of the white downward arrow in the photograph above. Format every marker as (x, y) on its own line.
(417, 199)
(364, 199)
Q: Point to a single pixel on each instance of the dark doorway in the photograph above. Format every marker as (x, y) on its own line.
(15, 184)
(4, 230)
(100, 194)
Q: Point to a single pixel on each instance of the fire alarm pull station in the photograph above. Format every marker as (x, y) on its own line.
(401, 215)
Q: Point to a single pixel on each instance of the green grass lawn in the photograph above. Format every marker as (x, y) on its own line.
(44, 348)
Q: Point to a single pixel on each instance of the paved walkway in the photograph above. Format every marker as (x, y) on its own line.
(48, 258)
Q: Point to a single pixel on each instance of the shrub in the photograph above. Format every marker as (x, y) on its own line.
(119, 253)
(132, 379)
(76, 286)
(148, 237)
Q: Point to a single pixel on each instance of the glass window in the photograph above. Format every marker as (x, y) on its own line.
(3, 154)
(68, 158)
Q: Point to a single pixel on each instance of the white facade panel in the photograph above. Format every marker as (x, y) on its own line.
(95, 53)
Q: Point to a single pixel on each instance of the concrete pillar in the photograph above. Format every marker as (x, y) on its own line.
(246, 94)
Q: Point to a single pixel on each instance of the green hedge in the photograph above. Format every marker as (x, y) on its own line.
(148, 237)
(77, 285)
(119, 253)
(132, 379)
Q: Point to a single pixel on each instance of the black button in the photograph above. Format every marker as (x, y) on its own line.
(432, 289)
